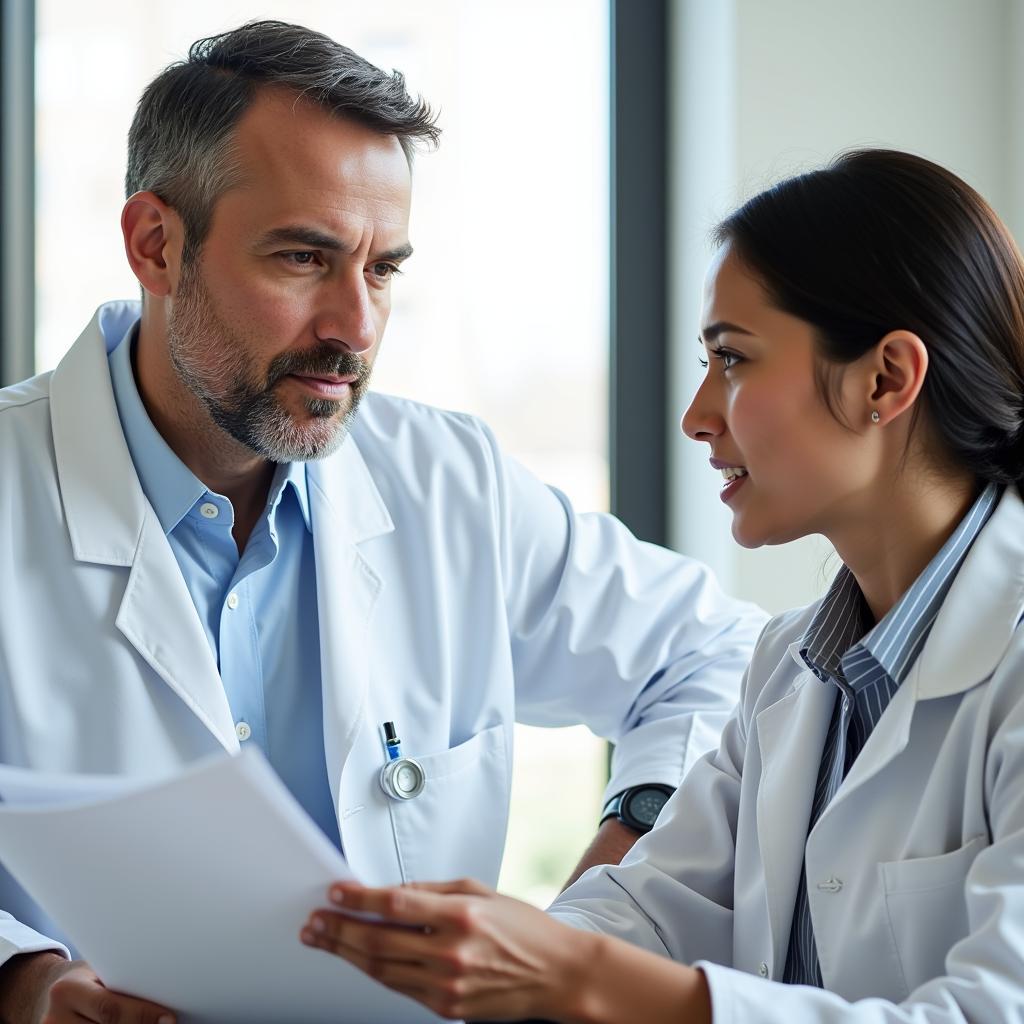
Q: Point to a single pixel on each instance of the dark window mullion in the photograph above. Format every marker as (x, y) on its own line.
(17, 192)
(639, 256)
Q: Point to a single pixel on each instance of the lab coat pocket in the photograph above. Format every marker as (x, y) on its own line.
(456, 826)
(927, 908)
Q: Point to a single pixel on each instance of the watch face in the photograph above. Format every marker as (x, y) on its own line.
(645, 805)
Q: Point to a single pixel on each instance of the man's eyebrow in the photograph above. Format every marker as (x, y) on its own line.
(712, 331)
(396, 255)
(298, 234)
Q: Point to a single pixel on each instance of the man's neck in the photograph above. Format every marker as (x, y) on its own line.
(223, 464)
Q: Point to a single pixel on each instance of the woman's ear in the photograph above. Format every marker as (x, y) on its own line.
(896, 370)
(153, 239)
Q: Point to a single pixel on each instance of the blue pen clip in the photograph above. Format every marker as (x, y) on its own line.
(391, 741)
(402, 778)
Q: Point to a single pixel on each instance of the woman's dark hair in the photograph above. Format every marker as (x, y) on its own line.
(879, 241)
(180, 141)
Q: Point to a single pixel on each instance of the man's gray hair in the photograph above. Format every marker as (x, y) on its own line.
(180, 144)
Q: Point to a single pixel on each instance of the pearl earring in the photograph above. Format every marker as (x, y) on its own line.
(875, 417)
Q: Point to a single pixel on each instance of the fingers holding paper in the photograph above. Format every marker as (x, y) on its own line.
(457, 947)
(64, 992)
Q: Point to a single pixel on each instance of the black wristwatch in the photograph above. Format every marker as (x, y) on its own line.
(639, 806)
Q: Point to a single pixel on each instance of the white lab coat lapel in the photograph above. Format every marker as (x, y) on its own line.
(111, 523)
(970, 637)
(791, 734)
(967, 641)
(346, 510)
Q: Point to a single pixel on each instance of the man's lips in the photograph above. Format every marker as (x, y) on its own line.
(325, 385)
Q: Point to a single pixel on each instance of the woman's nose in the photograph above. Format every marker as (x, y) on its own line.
(701, 422)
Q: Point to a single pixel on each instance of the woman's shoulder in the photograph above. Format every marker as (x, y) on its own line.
(782, 631)
(775, 664)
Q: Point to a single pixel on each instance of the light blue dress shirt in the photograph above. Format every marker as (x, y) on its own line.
(259, 610)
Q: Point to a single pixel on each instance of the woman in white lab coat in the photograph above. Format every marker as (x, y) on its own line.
(854, 850)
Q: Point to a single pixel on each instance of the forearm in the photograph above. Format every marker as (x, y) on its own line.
(22, 978)
(611, 981)
(611, 843)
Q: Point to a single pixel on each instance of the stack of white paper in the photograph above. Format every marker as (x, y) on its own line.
(191, 891)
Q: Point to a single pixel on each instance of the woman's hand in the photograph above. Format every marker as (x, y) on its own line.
(459, 948)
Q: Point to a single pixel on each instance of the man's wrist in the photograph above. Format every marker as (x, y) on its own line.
(23, 979)
(612, 842)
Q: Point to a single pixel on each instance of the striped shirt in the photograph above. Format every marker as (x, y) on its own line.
(865, 665)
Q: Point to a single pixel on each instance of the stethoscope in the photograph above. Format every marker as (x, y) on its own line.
(402, 778)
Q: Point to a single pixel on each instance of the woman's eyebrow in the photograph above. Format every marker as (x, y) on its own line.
(712, 331)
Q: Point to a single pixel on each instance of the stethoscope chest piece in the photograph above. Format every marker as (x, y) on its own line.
(403, 778)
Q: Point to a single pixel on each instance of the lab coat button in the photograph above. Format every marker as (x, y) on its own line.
(243, 731)
(832, 884)
(763, 970)
(208, 510)
(232, 601)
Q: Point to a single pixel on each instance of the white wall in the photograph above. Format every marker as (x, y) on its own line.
(766, 88)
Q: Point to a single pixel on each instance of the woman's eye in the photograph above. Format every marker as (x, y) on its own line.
(703, 362)
(729, 359)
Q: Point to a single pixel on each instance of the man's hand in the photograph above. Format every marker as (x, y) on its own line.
(612, 842)
(44, 988)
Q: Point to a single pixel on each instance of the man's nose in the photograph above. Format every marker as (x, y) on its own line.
(701, 421)
(347, 317)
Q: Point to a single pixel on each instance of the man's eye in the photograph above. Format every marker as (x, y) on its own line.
(385, 271)
(305, 258)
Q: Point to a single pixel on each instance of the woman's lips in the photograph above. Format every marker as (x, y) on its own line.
(730, 489)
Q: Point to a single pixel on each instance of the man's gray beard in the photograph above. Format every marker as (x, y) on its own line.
(211, 362)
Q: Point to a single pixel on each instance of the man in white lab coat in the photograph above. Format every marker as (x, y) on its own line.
(204, 547)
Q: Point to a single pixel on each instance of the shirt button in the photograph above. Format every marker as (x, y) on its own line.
(232, 601)
(763, 970)
(832, 884)
(208, 510)
(242, 731)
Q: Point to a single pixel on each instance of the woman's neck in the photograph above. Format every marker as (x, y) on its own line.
(891, 545)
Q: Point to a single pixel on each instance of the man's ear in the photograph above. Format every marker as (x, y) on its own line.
(153, 240)
(896, 368)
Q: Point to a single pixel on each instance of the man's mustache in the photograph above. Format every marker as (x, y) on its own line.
(323, 361)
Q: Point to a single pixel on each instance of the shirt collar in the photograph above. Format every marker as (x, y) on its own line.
(171, 487)
(839, 622)
(897, 640)
(842, 619)
(291, 474)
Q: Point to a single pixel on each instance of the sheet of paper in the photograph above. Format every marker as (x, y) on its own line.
(24, 788)
(191, 891)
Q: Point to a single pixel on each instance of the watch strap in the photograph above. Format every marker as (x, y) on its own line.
(612, 807)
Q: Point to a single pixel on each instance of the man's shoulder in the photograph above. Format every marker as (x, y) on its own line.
(386, 421)
(380, 410)
(25, 408)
